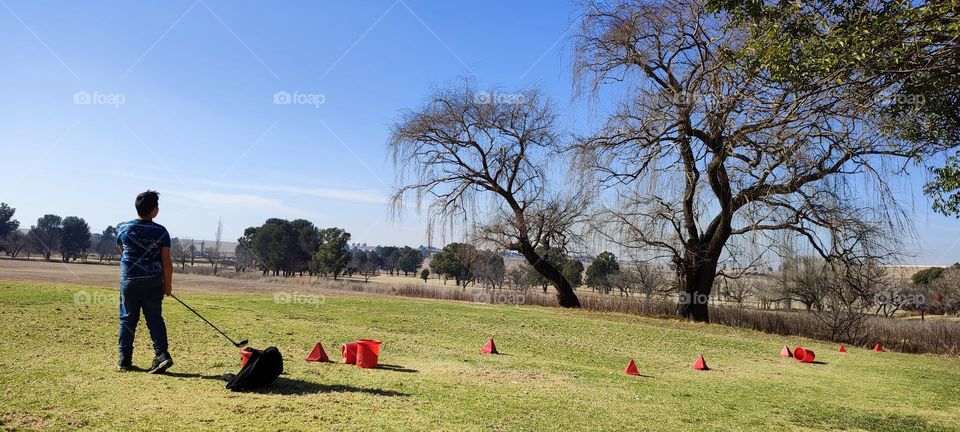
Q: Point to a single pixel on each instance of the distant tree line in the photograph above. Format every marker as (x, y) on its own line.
(290, 248)
(67, 236)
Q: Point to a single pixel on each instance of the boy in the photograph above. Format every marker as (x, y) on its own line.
(145, 277)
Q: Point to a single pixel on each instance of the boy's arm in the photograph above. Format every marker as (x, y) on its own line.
(167, 270)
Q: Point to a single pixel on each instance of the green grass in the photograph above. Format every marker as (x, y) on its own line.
(561, 370)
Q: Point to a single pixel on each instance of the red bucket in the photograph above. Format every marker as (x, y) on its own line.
(804, 355)
(349, 353)
(368, 351)
(244, 356)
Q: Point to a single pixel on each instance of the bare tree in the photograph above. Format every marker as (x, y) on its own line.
(479, 158)
(213, 255)
(244, 257)
(806, 280)
(180, 253)
(704, 146)
(650, 279)
(738, 290)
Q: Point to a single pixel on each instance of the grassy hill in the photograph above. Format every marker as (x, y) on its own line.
(560, 370)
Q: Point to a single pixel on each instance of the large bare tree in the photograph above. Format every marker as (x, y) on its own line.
(703, 145)
(479, 159)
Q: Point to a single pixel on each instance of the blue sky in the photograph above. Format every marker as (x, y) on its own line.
(106, 99)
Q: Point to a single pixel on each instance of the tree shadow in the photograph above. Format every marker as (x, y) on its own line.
(396, 368)
(287, 386)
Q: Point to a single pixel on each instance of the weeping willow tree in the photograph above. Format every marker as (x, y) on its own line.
(478, 159)
(705, 146)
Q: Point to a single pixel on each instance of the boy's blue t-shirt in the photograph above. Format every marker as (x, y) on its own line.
(141, 241)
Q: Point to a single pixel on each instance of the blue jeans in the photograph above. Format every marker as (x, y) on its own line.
(146, 294)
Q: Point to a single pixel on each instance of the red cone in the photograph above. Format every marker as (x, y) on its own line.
(318, 354)
(842, 349)
(489, 348)
(785, 352)
(631, 368)
(701, 364)
(878, 348)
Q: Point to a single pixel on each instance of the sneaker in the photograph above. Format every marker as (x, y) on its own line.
(161, 363)
(124, 365)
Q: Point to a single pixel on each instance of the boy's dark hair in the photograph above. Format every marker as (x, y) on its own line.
(146, 202)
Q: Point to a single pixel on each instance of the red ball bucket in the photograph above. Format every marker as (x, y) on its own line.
(349, 353)
(804, 355)
(244, 357)
(368, 351)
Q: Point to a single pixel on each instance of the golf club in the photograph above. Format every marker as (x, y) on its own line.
(236, 344)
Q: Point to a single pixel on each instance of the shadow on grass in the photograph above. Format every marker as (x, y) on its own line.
(290, 386)
(193, 375)
(863, 420)
(287, 386)
(396, 368)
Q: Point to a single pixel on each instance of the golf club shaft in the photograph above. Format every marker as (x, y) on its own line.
(204, 319)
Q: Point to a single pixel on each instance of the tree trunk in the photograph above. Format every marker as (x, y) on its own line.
(565, 295)
(696, 293)
(696, 285)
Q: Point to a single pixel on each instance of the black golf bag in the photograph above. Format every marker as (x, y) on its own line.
(261, 370)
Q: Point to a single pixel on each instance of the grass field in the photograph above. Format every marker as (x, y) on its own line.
(560, 370)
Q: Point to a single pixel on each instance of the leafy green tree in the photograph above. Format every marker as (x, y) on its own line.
(14, 243)
(333, 254)
(902, 58)
(75, 238)
(409, 260)
(573, 272)
(45, 236)
(425, 275)
(945, 187)
(308, 241)
(453, 262)
(107, 246)
(390, 257)
(601, 271)
(927, 276)
(277, 243)
(7, 223)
